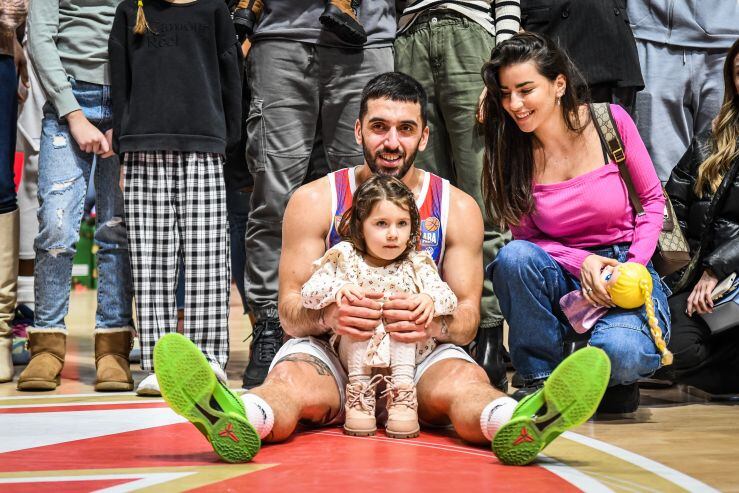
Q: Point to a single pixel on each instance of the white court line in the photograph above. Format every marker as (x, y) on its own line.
(74, 404)
(676, 477)
(142, 480)
(569, 474)
(572, 475)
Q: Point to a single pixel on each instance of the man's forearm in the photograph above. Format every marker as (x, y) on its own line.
(299, 321)
(458, 328)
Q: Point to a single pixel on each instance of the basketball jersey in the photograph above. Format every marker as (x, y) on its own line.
(432, 203)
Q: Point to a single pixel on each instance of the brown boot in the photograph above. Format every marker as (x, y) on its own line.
(112, 347)
(340, 17)
(9, 227)
(402, 410)
(47, 359)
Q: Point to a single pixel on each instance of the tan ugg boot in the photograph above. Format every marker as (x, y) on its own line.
(402, 410)
(112, 347)
(47, 359)
(340, 17)
(9, 230)
(360, 408)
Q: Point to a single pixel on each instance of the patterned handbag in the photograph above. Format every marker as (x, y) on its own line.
(673, 252)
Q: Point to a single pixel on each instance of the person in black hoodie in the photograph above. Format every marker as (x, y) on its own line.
(708, 172)
(176, 88)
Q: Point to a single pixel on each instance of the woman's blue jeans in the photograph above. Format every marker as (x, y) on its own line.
(530, 283)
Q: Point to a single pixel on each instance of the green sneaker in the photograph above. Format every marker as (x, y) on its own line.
(569, 397)
(191, 389)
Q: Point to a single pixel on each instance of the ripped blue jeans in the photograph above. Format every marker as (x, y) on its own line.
(530, 283)
(64, 174)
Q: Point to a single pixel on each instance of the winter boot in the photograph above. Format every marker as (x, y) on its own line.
(9, 226)
(360, 407)
(112, 347)
(47, 359)
(402, 410)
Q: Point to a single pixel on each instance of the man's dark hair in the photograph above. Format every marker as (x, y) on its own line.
(395, 86)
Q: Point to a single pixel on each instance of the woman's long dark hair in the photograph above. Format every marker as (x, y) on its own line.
(508, 168)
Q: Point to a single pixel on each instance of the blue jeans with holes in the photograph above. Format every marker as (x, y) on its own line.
(530, 284)
(64, 173)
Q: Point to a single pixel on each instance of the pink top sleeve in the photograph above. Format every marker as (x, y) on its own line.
(568, 220)
(647, 185)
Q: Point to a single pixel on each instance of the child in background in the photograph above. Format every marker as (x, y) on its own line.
(176, 71)
(67, 41)
(378, 254)
(339, 17)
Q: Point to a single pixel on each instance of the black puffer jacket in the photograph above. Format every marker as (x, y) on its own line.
(721, 254)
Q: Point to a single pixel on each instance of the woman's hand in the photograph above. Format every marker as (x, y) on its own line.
(593, 285)
(88, 137)
(700, 300)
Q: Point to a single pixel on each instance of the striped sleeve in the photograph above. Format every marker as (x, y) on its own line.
(507, 18)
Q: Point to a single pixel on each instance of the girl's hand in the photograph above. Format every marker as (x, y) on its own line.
(700, 300)
(423, 312)
(593, 286)
(351, 292)
(87, 136)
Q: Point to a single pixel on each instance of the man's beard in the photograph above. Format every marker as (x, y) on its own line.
(398, 172)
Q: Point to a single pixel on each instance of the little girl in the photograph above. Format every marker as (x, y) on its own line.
(378, 254)
(176, 73)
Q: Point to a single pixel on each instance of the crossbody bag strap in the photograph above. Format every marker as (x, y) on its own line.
(604, 123)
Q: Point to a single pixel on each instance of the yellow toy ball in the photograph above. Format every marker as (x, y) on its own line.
(628, 283)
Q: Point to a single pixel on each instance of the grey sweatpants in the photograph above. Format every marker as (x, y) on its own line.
(299, 91)
(683, 93)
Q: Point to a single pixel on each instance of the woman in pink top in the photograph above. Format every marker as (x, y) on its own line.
(548, 178)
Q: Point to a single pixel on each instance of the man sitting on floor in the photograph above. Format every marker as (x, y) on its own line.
(306, 380)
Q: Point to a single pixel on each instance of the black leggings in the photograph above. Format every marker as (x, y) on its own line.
(708, 362)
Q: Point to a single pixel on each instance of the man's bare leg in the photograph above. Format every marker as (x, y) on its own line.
(299, 387)
(457, 391)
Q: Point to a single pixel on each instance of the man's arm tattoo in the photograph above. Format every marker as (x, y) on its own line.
(320, 367)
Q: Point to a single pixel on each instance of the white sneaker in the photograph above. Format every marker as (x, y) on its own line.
(220, 373)
(149, 387)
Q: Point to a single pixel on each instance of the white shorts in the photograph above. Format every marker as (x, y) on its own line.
(322, 350)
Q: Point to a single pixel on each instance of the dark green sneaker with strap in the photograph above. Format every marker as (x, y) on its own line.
(568, 398)
(191, 389)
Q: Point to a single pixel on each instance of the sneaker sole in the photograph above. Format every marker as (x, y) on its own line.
(571, 395)
(191, 389)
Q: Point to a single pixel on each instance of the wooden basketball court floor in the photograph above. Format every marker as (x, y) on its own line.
(76, 440)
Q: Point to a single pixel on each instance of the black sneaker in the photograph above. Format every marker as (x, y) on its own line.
(528, 389)
(267, 338)
(620, 399)
(487, 350)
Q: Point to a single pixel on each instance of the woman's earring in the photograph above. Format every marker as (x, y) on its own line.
(559, 100)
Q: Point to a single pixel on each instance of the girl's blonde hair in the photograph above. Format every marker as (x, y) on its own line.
(377, 188)
(724, 147)
(632, 289)
(141, 25)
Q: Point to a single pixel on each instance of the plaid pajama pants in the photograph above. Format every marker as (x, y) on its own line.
(175, 205)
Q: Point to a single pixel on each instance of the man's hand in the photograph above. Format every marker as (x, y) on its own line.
(593, 286)
(401, 320)
(87, 136)
(356, 319)
(700, 300)
(21, 68)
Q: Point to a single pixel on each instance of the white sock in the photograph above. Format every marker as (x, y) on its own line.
(495, 415)
(259, 414)
(25, 291)
(402, 361)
